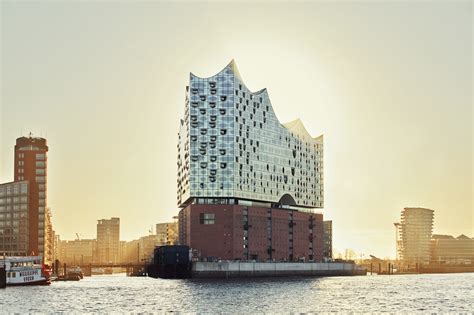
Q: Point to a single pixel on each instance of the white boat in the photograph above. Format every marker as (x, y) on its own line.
(27, 270)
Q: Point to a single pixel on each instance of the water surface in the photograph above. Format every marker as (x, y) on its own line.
(118, 293)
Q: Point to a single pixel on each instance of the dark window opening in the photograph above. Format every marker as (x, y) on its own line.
(207, 218)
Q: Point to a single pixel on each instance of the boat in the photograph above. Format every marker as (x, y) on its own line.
(27, 270)
(76, 273)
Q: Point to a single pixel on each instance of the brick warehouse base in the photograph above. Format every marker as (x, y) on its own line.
(231, 232)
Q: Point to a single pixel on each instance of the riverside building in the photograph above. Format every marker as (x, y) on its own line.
(14, 219)
(25, 222)
(450, 250)
(327, 248)
(414, 232)
(167, 233)
(248, 185)
(108, 241)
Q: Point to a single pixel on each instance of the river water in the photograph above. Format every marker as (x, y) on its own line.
(117, 293)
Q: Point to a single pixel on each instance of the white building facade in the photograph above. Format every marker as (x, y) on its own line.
(415, 228)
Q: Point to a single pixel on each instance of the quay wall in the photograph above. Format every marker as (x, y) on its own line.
(238, 269)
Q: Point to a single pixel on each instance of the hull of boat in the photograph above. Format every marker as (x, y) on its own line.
(37, 282)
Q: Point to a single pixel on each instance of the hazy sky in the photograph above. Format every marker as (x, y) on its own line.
(388, 84)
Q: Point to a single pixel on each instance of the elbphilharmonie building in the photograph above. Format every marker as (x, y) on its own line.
(240, 168)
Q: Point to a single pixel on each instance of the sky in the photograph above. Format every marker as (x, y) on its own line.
(389, 84)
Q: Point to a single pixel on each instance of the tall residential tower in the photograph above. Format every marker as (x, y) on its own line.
(31, 165)
(108, 241)
(415, 230)
(25, 222)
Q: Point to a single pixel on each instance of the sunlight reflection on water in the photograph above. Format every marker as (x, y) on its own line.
(117, 293)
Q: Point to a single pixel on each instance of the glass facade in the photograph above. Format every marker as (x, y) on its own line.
(231, 145)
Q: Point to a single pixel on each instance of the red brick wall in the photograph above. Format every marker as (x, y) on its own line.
(318, 237)
(224, 239)
(238, 233)
(301, 234)
(211, 240)
(258, 240)
(29, 174)
(280, 227)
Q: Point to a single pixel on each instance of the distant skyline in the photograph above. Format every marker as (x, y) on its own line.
(388, 84)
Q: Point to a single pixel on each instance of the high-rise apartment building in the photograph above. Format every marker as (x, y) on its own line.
(415, 230)
(247, 184)
(31, 165)
(25, 225)
(108, 240)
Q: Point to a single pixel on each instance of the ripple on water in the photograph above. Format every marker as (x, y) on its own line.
(411, 293)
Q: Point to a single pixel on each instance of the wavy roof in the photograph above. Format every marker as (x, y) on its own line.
(296, 126)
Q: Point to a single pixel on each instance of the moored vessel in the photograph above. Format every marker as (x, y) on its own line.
(27, 270)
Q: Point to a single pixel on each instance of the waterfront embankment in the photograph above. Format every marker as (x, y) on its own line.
(239, 269)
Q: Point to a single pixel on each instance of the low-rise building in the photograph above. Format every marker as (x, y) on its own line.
(77, 252)
(139, 250)
(167, 233)
(446, 249)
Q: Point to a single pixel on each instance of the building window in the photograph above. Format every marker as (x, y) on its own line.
(40, 156)
(207, 218)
